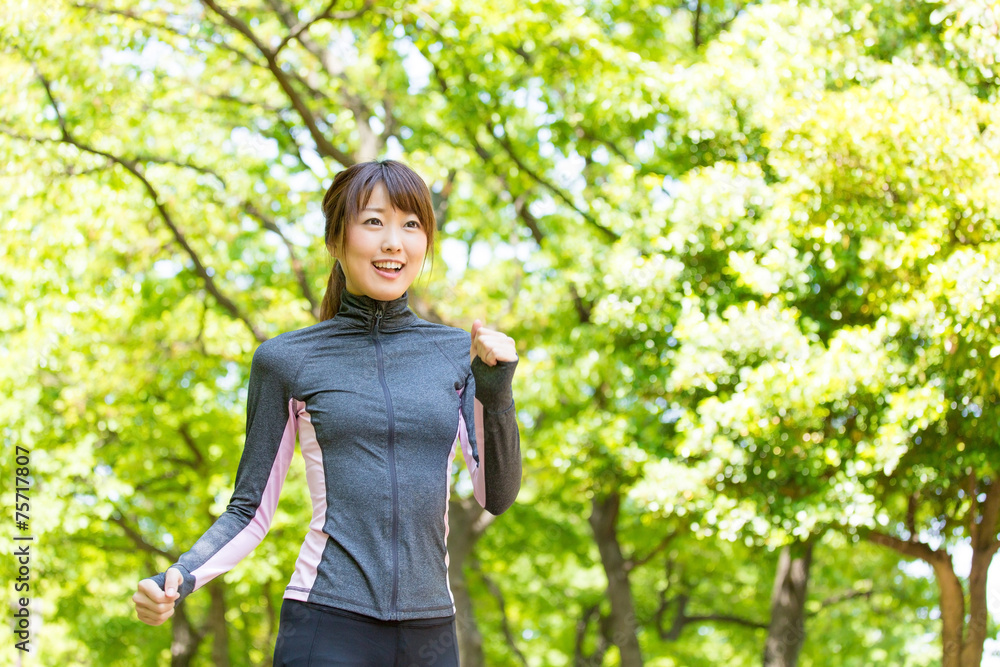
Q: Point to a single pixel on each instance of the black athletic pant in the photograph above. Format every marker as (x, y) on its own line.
(314, 635)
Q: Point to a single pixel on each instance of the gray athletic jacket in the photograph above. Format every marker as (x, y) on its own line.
(381, 401)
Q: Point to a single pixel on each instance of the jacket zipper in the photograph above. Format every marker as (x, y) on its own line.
(376, 324)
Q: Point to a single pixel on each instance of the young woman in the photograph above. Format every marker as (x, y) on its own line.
(381, 401)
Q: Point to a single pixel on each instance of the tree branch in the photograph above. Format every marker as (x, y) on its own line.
(286, 16)
(841, 597)
(581, 659)
(697, 26)
(176, 460)
(370, 143)
(391, 125)
(481, 522)
(633, 562)
(983, 531)
(225, 97)
(440, 199)
(272, 615)
(725, 618)
(144, 485)
(736, 12)
(521, 203)
(297, 266)
(682, 618)
(587, 134)
(71, 170)
(582, 308)
(110, 11)
(133, 168)
(985, 536)
(677, 625)
(504, 143)
(504, 620)
(509, 149)
(63, 130)
(323, 144)
(911, 515)
(137, 538)
(297, 30)
(290, 132)
(178, 163)
(521, 207)
(313, 93)
(199, 267)
(188, 439)
(911, 549)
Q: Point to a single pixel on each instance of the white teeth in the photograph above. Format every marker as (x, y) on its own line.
(388, 265)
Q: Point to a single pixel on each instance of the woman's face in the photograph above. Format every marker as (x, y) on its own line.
(383, 250)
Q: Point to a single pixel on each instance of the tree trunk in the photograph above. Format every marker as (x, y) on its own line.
(696, 26)
(961, 641)
(979, 615)
(983, 530)
(595, 659)
(470, 641)
(217, 624)
(467, 521)
(604, 521)
(185, 640)
(787, 633)
(272, 626)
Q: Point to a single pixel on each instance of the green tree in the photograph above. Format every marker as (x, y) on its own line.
(710, 227)
(806, 367)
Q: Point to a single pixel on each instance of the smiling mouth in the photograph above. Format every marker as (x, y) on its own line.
(391, 266)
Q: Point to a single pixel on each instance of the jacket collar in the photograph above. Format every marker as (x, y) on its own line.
(364, 311)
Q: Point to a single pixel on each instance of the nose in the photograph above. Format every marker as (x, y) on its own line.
(390, 239)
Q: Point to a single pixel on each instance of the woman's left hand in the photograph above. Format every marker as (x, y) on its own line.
(490, 345)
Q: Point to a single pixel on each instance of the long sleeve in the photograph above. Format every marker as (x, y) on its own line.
(270, 443)
(492, 449)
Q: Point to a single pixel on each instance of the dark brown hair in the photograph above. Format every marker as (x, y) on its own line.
(348, 195)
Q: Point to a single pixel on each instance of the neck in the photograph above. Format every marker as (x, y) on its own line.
(364, 310)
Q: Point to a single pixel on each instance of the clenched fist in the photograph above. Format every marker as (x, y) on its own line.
(491, 346)
(152, 605)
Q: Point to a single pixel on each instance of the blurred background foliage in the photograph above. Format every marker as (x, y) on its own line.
(749, 251)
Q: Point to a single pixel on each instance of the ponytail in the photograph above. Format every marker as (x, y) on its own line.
(331, 300)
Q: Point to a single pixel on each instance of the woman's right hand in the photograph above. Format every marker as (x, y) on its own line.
(153, 605)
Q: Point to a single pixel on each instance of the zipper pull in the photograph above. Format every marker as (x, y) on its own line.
(378, 317)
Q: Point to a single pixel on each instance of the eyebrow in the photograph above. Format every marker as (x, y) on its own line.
(382, 210)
